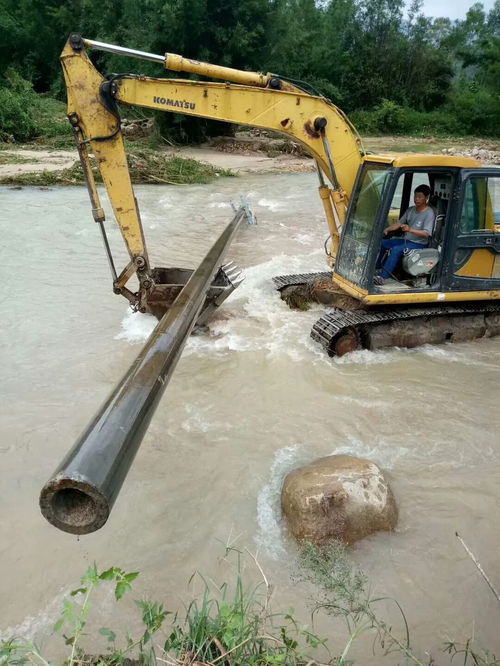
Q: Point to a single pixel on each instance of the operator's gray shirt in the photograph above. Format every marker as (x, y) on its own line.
(423, 221)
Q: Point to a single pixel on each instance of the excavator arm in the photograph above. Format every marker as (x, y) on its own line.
(253, 99)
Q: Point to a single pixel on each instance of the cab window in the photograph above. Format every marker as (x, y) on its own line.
(403, 194)
(481, 205)
(357, 235)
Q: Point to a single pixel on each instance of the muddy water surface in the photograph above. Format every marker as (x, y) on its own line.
(247, 403)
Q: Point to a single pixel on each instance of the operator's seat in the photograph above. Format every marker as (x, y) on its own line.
(440, 207)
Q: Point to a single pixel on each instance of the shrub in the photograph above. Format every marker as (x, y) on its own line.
(25, 115)
(230, 625)
(365, 122)
(18, 108)
(386, 118)
(390, 118)
(437, 123)
(476, 110)
(52, 118)
(17, 121)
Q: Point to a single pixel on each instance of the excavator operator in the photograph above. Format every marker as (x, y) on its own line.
(417, 224)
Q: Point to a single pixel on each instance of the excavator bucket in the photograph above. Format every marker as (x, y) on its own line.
(168, 283)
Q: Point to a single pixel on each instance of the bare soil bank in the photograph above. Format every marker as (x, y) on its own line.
(246, 155)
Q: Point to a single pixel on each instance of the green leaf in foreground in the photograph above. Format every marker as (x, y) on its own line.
(120, 589)
(110, 635)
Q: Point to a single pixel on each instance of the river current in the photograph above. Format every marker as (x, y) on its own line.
(248, 402)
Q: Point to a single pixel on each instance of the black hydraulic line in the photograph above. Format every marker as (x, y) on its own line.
(78, 498)
(303, 85)
(333, 173)
(108, 252)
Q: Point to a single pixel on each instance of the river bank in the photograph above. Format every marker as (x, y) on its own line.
(28, 166)
(24, 165)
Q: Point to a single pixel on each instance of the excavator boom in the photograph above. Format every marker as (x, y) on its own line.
(258, 100)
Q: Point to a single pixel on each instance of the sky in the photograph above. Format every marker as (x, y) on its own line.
(453, 9)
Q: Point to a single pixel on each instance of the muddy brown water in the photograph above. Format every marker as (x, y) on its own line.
(247, 403)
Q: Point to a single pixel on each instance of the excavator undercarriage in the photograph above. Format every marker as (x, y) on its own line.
(347, 326)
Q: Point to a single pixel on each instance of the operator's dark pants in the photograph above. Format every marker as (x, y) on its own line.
(397, 246)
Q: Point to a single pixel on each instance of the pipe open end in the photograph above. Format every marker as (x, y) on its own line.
(74, 507)
(73, 510)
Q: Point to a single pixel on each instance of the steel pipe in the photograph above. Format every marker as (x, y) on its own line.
(78, 498)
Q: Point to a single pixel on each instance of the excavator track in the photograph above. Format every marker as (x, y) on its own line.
(282, 281)
(340, 331)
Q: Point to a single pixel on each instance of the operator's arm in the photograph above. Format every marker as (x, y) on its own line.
(418, 232)
(392, 227)
(422, 226)
(397, 225)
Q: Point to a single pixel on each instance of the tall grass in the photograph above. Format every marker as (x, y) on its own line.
(232, 624)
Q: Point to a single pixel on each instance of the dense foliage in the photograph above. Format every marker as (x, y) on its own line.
(398, 70)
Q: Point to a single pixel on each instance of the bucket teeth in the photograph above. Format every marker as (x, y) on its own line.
(232, 279)
(233, 274)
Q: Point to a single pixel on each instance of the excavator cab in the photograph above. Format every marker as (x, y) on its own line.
(446, 292)
(463, 252)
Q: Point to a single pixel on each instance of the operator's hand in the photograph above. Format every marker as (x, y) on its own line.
(406, 227)
(392, 227)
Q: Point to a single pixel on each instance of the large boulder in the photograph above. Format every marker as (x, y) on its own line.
(337, 498)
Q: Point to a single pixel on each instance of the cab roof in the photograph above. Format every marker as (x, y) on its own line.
(423, 160)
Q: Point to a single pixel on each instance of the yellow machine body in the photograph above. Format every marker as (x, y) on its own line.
(360, 193)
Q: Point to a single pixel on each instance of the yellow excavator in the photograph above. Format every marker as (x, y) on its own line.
(447, 291)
